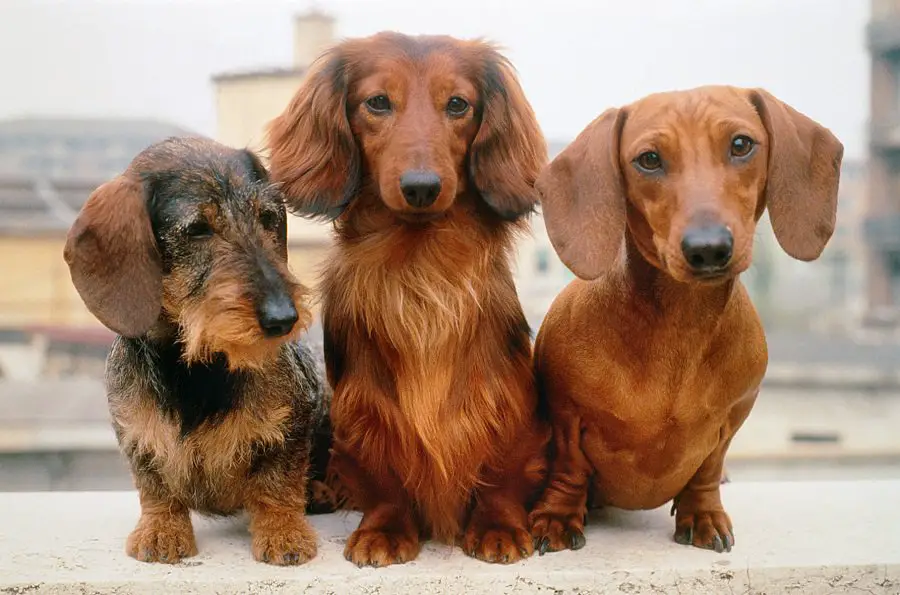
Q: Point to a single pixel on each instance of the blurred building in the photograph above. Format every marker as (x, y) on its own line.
(75, 148)
(882, 225)
(48, 168)
(247, 101)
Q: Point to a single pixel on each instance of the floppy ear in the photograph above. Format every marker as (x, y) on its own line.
(113, 258)
(312, 151)
(509, 150)
(583, 198)
(803, 176)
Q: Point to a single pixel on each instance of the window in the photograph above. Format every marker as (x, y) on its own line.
(542, 260)
(839, 266)
(893, 271)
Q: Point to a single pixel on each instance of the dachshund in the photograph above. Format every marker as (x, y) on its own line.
(213, 402)
(422, 152)
(651, 359)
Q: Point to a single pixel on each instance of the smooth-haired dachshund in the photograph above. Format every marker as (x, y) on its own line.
(650, 362)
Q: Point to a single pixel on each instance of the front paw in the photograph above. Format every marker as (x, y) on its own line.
(289, 543)
(557, 532)
(162, 538)
(379, 547)
(709, 530)
(492, 542)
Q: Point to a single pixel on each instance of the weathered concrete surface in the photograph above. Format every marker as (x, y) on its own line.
(798, 538)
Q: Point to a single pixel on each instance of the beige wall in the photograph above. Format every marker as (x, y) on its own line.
(35, 287)
(244, 107)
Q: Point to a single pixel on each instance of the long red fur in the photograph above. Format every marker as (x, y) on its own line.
(427, 347)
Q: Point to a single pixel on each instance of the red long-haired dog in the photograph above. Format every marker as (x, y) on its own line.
(652, 360)
(423, 151)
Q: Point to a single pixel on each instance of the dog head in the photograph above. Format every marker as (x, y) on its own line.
(191, 234)
(690, 174)
(416, 120)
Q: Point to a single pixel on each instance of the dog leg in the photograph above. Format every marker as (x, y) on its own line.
(497, 530)
(557, 521)
(700, 518)
(164, 532)
(389, 530)
(276, 502)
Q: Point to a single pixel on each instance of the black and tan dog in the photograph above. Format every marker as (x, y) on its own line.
(213, 401)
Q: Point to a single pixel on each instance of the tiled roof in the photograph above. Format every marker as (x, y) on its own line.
(30, 206)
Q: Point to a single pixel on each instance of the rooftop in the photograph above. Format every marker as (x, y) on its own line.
(258, 74)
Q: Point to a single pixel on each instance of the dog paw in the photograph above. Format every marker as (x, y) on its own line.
(500, 545)
(708, 530)
(368, 547)
(162, 538)
(287, 544)
(554, 533)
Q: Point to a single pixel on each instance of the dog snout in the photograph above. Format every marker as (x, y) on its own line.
(277, 314)
(707, 248)
(420, 187)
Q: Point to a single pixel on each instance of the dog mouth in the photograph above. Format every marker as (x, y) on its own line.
(420, 218)
(712, 276)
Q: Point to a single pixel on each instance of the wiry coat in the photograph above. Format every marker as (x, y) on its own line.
(213, 401)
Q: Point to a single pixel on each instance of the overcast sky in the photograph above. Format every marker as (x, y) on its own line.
(154, 58)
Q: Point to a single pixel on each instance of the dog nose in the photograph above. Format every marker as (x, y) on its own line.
(420, 187)
(277, 315)
(707, 248)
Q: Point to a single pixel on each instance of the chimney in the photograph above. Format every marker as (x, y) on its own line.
(313, 33)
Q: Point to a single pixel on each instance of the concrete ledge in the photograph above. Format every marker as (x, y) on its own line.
(816, 538)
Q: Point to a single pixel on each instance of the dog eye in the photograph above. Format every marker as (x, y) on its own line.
(457, 106)
(199, 229)
(269, 220)
(741, 146)
(649, 161)
(378, 104)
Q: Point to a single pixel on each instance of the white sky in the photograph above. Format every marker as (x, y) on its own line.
(154, 58)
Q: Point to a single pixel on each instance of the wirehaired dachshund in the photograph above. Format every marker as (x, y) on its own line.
(213, 401)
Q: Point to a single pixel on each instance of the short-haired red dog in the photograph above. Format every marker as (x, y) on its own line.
(652, 360)
(424, 152)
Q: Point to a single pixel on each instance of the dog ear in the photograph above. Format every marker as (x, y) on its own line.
(583, 198)
(313, 152)
(113, 258)
(803, 175)
(509, 149)
(254, 166)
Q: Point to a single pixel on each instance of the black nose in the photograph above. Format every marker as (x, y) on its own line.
(707, 248)
(420, 187)
(277, 315)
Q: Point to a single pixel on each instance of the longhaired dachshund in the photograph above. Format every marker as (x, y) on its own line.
(423, 152)
(213, 402)
(653, 358)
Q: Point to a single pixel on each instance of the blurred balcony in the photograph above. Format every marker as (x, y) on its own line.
(883, 231)
(883, 31)
(884, 133)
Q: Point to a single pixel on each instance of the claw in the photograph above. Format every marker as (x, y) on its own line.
(685, 536)
(544, 545)
(576, 540)
(717, 544)
(729, 543)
